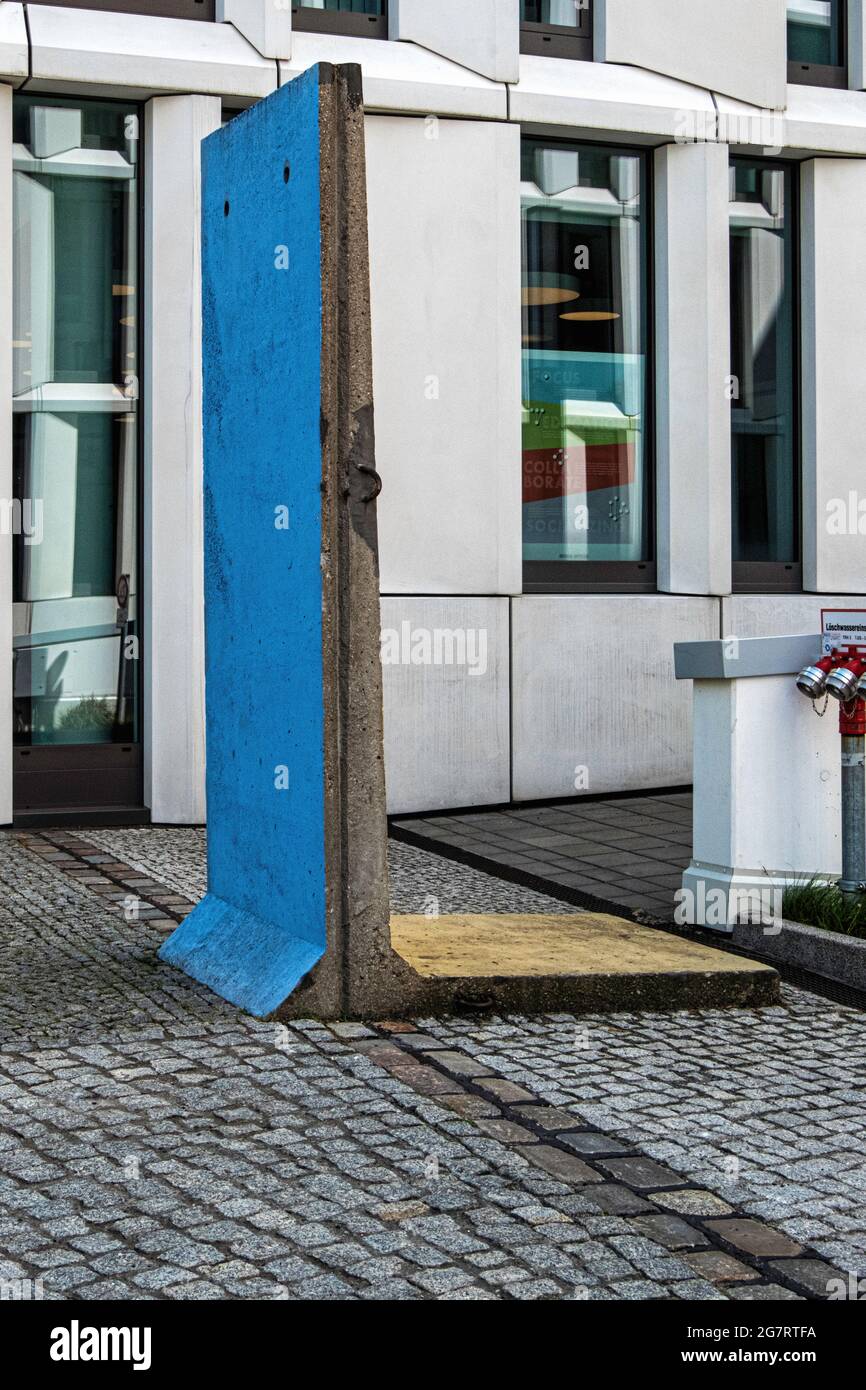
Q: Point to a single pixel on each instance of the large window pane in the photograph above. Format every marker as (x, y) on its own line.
(815, 32)
(763, 364)
(75, 404)
(564, 12)
(585, 440)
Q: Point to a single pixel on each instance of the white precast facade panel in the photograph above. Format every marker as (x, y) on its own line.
(445, 691)
(817, 120)
(483, 36)
(14, 60)
(596, 707)
(173, 523)
(781, 615)
(833, 243)
(693, 357)
(856, 43)
(266, 23)
(402, 76)
(444, 210)
(739, 47)
(591, 97)
(135, 56)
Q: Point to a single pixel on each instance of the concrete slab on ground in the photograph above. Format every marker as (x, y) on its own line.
(585, 957)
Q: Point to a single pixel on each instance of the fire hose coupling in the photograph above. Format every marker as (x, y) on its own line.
(812, 680)
(844, 682)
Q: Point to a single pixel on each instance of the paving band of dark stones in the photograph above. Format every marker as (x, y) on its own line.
(122, 888)
(724, 1245)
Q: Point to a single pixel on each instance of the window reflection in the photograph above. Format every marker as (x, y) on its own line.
(585, 475)
(815, 32)
(373, 7)
(763, 364)
(563, 12)
(75, 403)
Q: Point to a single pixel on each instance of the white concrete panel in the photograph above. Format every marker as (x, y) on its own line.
(13, 43)
(767, 785)
(693, 359)
(267, 25)
(444, 209)
(596, 707)
(604, 97)
(738, 47)
(402, 76)
(834, 351)
(817, 120)
(856, 44)
(483, 36)
(173, 569)
(6, 484)
(780, 615)
(135, 56)
(446, 722)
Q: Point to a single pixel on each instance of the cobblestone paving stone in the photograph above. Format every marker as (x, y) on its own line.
(157, 1143)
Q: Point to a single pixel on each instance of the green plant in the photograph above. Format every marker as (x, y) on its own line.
(819, 904)
(90, 713)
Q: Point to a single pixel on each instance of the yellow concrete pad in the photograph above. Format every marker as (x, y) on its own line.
(589, 943)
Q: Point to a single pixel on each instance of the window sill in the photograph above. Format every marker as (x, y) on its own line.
(358, 26)
(548, 41)
(817, 75)
(589, 577)
(757, 577)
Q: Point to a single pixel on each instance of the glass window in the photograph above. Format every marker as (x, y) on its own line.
(75, 420)
(816, 41)
(368, 18)
(765, 446)
(565, 12)
(586, 476)
(556, 28)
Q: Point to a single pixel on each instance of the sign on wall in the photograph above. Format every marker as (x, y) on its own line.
(844, 629)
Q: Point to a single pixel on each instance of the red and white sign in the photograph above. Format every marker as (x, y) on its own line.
(844, 631)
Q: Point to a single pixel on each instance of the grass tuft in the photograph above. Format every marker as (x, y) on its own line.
(823, 905)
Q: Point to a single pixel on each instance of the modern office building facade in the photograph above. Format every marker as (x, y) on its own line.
(619, 332)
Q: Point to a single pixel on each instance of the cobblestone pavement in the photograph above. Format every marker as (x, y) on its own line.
(156, 1143)
(628, 852)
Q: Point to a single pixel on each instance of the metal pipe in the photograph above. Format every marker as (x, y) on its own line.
(853, 878)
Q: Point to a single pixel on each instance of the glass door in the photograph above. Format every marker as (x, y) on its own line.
(76, 645)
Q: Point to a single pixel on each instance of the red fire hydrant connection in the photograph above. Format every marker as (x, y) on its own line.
(843, 675)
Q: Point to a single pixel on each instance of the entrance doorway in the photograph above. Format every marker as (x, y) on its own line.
(76, 514)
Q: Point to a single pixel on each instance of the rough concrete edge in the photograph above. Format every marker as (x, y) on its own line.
(829, 954)
(360, 972)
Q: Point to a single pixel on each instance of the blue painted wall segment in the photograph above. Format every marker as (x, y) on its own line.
(257, 932)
